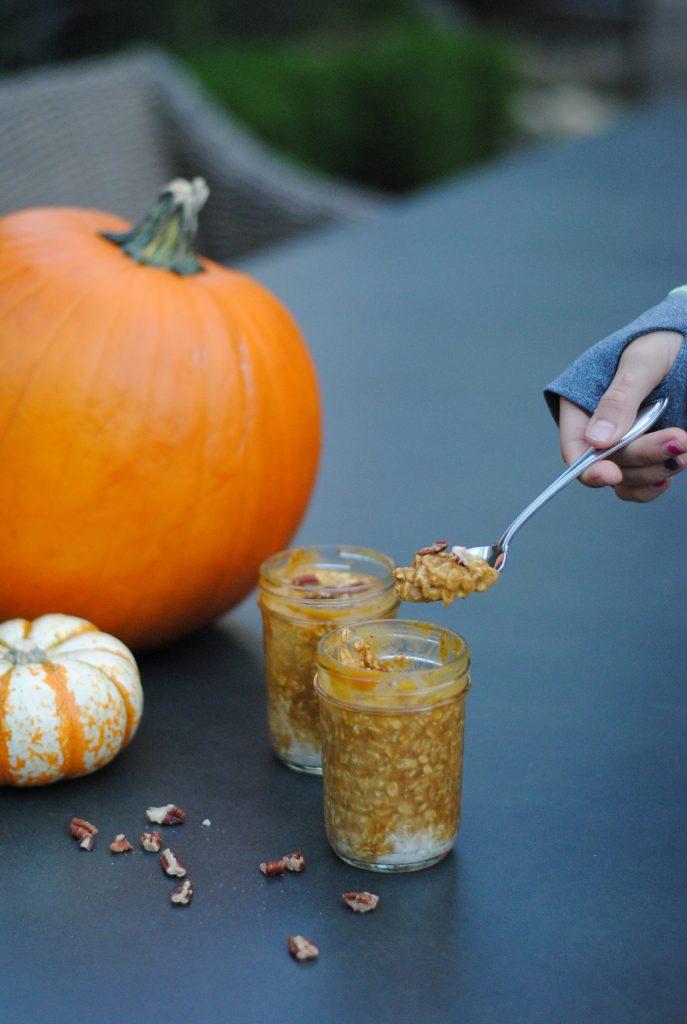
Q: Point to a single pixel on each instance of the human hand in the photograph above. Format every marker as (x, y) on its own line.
(644, 469)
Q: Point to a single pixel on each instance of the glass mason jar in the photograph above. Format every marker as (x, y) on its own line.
(303, 594)
(392, 712)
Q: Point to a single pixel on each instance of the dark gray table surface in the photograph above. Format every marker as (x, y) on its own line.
(434, 330)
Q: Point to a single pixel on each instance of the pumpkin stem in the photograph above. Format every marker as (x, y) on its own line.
(166, 236)
(25, 655)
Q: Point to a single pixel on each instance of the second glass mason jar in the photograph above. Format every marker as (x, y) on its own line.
(303, 594)
(392, 712)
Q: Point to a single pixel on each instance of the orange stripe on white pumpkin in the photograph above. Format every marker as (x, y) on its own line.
(5, 680)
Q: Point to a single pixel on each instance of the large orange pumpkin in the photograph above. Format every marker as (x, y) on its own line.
(159, 421)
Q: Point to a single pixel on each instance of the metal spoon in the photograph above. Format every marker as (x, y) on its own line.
(495, 554)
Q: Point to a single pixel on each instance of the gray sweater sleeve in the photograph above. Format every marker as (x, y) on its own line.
(585, 381)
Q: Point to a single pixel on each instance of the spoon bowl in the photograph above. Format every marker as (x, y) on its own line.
(495, 554)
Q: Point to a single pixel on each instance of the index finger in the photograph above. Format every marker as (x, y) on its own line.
(573, 423)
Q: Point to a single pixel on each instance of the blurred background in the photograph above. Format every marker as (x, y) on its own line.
(311, 111)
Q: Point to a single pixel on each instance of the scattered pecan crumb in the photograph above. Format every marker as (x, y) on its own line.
(151, 841)
(182, 893)
(121, 844)
(80, 828)
(171, 865)
(360, 901)
(170, 814)
(87, 843)
(273, 867)
(206, 822)
(301, 948)
(294, 861)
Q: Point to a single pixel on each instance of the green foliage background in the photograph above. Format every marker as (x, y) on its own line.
(403, 106)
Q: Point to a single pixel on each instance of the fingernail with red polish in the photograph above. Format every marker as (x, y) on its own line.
(672, 448)
(660, 484)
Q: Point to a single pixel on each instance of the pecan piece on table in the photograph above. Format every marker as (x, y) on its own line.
(294, 861)
(273, 867)
(171, 865)
(121, 844)
(301, 948)
(170, 814)
(151, 841)
(360, 901)
(182, 893)
(86, 843)
(80, 828)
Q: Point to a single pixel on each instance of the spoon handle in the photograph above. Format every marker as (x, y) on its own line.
(648, 415)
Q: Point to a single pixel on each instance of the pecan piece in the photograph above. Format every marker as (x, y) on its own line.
(294, 861)
(80, 828)
(171, 865)
(86, 843)
(434, 549)
(307, 579)
(273, 867)
(360, 901)
(121, 844)
(301, 948)
(151, 842)
(182, 893)
(170, 814)
(460, 556)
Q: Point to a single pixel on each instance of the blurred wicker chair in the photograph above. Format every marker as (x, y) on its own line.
(108, 132)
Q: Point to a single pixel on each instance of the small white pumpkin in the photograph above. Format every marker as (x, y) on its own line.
(70, 699)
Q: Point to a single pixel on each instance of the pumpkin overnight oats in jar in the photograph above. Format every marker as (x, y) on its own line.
(392, 712)
(303, 594)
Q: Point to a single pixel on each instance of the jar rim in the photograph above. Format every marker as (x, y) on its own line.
(371, 682)
(273, 583)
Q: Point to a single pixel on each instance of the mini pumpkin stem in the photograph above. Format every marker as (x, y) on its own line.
(25, 655)
(166, 236)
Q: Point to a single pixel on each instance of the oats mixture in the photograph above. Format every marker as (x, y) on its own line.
(440, 574)
(392, 784)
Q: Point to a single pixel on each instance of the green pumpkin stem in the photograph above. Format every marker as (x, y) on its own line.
(166, 236)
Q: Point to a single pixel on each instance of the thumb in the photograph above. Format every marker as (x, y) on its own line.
(643, 365)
